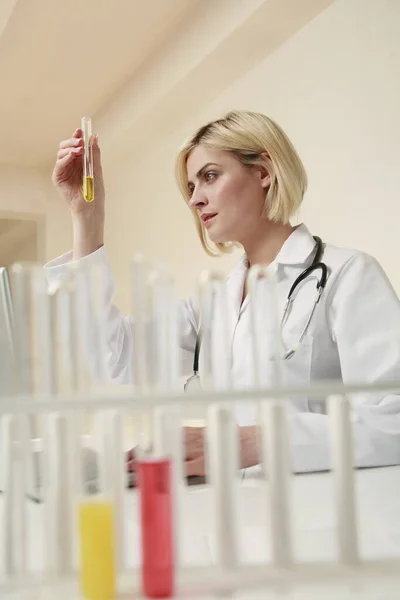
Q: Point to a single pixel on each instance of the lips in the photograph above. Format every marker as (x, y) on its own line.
(207, 218)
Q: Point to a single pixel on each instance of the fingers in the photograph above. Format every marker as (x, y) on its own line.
(75, 145)
(66, 151)
(63, 162)
(73, 142)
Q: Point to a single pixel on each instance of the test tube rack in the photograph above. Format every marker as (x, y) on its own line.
(59, 416)
(58, 572)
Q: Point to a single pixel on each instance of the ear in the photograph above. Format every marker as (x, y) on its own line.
(264, 172)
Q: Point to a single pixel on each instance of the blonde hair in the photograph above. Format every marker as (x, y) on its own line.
(247, 135)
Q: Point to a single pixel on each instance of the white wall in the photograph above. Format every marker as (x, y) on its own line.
(334, 87)
(28, 193)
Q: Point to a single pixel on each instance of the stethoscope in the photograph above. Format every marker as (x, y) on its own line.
(193, 383)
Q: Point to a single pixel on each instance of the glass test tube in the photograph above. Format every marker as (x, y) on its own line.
(97, 548)
(99, 518)
(157, 527)
(88, 177)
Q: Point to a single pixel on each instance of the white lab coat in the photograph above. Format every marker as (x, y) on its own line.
(354, 337)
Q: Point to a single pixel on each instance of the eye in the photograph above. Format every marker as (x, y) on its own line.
(190, 190)
(210, 175)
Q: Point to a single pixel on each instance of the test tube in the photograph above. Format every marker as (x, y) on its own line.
(88, 176)
(141, 348)
(7, 461)
(96, 518)
(70, 334)
(167, 429)
(166, 343)
(275, 454)
(223, 453)
(265, 327)
(97, 548)
(343, 466)
(45, 301)
(60, 494)
(157, 527)
(14, 448)
(111, 473)
(139, 314)
(97, 325)
(214, 362)
(68, 315)
(26, 340)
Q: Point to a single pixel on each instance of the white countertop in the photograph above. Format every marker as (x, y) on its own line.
(377, 492)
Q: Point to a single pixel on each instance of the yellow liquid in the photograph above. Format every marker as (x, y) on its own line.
(88, 189)
(96, 525)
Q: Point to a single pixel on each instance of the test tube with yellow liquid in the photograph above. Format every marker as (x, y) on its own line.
(88, 178)
(97, 548)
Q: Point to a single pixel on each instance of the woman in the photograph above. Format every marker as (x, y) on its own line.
(243, 180)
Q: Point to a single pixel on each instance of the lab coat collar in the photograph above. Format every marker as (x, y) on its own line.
(295, 251)
(297, 248)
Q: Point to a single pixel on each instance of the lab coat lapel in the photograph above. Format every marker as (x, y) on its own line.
(294, 252)
(234, 288)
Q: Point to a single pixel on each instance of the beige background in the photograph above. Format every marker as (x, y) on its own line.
(328, 72)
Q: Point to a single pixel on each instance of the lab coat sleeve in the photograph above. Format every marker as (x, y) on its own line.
(364, 316)
(119, 329)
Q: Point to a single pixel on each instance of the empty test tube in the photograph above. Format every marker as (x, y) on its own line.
(20, 276)
(275, 451)
(88, 176)
(141, 348)
(343, 467)
(60, 493)
(26, 352)
(7, 472)
(215, 365)
(45, 302)
(165, 331)
(223, 454)
(265, 327)
(140, 327)
(14, 448)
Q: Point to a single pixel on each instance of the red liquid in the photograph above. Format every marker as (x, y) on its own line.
(157, 535)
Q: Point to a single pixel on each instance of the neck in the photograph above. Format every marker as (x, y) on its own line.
(265, 243)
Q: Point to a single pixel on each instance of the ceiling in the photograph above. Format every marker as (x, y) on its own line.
(60, 60)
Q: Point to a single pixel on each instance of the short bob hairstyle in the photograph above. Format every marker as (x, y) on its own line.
(247, 135)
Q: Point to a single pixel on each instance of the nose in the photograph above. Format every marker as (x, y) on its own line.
(198, 199)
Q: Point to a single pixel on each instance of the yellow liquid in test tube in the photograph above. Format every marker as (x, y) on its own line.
(97, 547)
(88, 174)
(88, 189)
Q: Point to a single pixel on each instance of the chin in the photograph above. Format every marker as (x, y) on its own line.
(218, 239)
(221, 237)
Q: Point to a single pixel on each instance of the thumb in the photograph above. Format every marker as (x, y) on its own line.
(96, 153)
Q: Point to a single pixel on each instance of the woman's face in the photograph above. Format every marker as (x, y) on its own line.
(227, 195)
